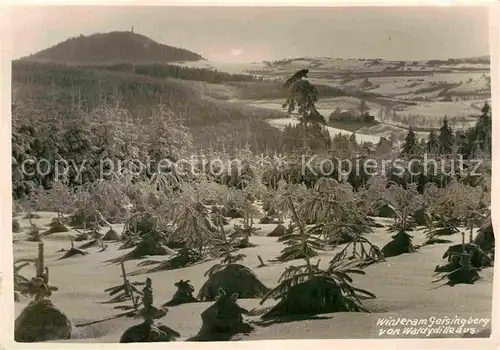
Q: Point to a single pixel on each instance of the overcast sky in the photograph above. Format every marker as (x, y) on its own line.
(256, 34)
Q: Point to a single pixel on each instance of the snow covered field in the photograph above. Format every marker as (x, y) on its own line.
(402, 285)
(282, 122)
(416, 87)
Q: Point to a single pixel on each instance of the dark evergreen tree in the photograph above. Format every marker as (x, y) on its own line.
(303, 95)
(432, 144)
(313, 136)
(410, 143)
(419, 148)
(484, 129)
(446, 138)
(462, 143)
(422, 146)
(361, 174)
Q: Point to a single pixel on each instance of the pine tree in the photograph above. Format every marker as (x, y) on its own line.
(313, 136)
(420, 147)
(432, 144)
(410, 143)
(302, 95)
(446, 138)
(462, 143)
(484, 129)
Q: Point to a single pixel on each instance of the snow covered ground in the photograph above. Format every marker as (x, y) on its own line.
(403, 286)
(282, 122)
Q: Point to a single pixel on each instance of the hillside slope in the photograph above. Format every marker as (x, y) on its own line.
(113, 47)
(52, 90)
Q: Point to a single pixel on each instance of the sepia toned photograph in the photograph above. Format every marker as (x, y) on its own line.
(203, 174)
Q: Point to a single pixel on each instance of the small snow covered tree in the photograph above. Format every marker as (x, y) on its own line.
(149, 331)
(404, 202)
(465, 259)
(59, 198)
(40, 320)
(192, 225)
(333, 209)
(307, 289)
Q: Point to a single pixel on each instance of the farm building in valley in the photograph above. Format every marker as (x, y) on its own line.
(346, 115)
(350, 114)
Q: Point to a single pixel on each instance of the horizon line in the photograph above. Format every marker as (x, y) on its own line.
(484, 55)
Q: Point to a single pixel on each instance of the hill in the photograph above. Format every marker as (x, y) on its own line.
(113, 47)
